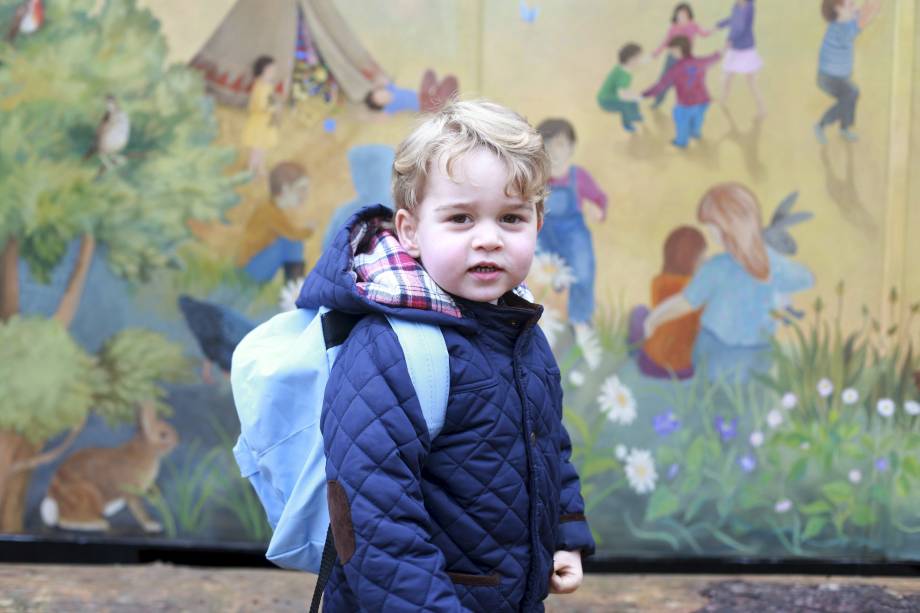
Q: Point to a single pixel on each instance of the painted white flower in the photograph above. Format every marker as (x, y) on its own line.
(551, 270)
(849, 396)
(783, 505)
(855, 476)
(885, 407)
(789, 400)
(287, 297)
(912, 407)
(617, 401)
(756, 438)
(805, 446)
(590, 347)
(621, 452)
(774, 418)
(640, 471)
(825, 387)
(576, 378)
(551, 324)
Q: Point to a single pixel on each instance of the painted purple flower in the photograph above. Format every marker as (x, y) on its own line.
(747, 463)
(727, 430)
(881, 464)
(673, 469)
(665, 423)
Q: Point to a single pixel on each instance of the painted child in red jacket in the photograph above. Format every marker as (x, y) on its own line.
(688, 76)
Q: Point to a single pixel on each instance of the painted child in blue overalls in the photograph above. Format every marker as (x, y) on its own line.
(565, 232)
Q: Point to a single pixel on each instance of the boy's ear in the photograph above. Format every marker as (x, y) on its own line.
(407, 232)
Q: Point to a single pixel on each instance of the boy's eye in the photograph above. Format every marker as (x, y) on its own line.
(512, 219)
(459, 218)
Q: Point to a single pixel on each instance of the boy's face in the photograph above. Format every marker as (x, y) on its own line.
(633, 62)
(475, 241)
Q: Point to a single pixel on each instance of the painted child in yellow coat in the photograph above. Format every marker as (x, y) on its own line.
(261, 131)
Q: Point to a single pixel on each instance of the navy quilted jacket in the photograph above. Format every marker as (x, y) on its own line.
(469, 520)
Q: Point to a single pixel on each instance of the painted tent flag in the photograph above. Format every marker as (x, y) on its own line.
(725, 261)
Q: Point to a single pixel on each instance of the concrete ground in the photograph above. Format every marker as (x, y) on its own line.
(160, 588)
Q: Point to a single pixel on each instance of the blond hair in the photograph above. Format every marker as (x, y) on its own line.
(733, 209)
(458, 128)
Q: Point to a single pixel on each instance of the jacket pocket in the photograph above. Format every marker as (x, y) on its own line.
(474, 386)
(490, 580)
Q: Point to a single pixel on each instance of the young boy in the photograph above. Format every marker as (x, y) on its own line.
(488, 515)
(688, 76)
(615, 95)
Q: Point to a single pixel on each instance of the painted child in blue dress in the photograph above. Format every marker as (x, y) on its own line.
(738, 289)
(565, 232)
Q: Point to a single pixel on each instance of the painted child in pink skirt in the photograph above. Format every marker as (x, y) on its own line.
(741, 57)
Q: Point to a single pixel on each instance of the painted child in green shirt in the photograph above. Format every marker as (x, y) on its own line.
(615, 95)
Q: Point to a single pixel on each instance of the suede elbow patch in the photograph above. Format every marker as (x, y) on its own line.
(343, 530)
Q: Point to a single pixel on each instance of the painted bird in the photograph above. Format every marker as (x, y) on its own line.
(28, 18)
(218, 330)
(112, 135)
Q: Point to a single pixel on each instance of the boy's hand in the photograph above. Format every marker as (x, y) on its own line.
(567, 575)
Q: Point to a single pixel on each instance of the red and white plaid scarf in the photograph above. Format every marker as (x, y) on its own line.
(385, 273)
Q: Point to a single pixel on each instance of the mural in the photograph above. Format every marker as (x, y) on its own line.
(725, 264)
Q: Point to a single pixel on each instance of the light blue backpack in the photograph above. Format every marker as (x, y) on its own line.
(278, 376)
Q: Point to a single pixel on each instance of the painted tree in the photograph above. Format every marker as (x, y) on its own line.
(53, 89)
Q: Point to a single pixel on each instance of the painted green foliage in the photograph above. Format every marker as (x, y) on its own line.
(816, 459)
(130, 206)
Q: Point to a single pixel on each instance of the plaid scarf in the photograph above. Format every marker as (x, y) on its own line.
(385, 273)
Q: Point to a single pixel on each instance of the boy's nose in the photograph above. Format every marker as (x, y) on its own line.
(488, 239)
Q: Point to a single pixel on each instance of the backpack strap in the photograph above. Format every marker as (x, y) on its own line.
(325, 570)
(428, 364)
(429, 368)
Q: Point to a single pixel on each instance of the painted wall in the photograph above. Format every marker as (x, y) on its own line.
(815, 457)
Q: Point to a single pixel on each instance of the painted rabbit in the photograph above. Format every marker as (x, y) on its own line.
(777, 233)
(96, 483)
(777, 236)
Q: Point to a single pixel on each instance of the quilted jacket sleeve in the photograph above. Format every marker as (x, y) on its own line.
(376, 441)
(574, 533)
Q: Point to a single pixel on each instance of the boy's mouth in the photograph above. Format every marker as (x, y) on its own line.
(485, 268)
